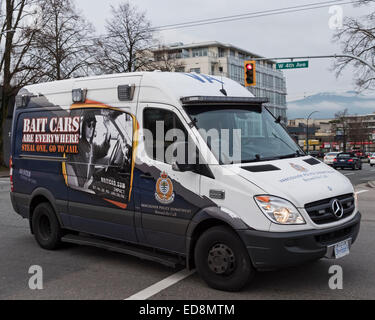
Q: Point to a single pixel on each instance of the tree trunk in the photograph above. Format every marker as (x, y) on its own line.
(7, 89)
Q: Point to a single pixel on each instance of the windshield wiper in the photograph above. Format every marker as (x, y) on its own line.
(292, 155)
(258, 158)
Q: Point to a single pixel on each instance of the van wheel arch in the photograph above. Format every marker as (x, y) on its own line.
(39, 196)
(202, 227)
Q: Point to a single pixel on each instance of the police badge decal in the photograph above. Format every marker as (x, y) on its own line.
(164, 189)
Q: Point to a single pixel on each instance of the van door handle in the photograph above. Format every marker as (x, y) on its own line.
(147, 176)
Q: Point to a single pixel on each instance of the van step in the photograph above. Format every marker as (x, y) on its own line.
(164, 259)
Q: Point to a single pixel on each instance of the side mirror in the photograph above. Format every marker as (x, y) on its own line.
(187, 160)
(191, 164)
(183, 167)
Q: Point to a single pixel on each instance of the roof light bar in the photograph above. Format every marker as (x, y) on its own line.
(223, 100)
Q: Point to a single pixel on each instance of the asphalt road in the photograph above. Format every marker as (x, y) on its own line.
(77, 272)
(360, 176)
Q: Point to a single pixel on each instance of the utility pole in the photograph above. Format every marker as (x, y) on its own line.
(307, 131)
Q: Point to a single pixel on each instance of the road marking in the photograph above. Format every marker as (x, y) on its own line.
(161, 285)
(361, 191)
(349, 174)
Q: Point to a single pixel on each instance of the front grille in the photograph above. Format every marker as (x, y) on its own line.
(321, 212)
(334, 236)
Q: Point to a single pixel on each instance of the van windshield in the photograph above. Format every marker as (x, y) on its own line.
(242, 134)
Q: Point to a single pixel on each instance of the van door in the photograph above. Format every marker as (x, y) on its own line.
(167, 199)
(100, 174)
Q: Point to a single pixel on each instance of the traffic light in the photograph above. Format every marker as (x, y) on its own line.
(250, 73)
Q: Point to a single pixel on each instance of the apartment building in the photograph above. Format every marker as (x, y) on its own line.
(215, 58)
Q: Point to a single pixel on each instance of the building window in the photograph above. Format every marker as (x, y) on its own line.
(241, 56)
(200, 52)
(179, 69)
(196, 70)
(185, 53)
(221, 52)
(212, 69)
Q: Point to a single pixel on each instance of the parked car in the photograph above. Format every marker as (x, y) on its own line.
(368, 156)
(372, 159)
(347, 160)
(329, 157)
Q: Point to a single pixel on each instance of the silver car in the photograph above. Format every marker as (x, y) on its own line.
(329, 157)
(372, 159)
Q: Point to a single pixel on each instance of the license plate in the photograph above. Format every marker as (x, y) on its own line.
(342, 160)
(341, 249)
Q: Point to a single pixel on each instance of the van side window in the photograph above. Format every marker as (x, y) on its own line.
(158, 122)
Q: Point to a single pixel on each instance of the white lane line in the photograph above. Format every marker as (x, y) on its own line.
(349, 174)
(161, 285)
(361, 191)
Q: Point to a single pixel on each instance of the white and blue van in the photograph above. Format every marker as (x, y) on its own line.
(97, 161)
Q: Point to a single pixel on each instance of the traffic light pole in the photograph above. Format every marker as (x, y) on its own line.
(320, 57)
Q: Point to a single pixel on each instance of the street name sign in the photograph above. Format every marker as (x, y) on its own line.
(292, 65)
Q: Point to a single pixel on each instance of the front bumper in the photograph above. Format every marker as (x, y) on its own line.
(270, 250)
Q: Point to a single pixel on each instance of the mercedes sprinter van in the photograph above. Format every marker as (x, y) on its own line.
(179, 168)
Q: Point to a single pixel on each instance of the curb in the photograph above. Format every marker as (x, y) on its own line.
(371, 184)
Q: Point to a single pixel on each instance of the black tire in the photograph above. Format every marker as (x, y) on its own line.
(47, 230)
(233, 266)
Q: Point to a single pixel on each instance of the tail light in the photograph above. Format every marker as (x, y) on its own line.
(372, 158)
(350, 160)
(11, 173)
(335, 160)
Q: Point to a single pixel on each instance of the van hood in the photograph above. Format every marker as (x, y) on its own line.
(299, 180)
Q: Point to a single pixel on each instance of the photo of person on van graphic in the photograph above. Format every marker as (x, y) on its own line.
(104, 149)
(85, 167)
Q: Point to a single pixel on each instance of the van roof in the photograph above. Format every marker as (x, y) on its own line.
(159, 87)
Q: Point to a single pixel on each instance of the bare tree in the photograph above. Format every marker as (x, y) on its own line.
(341, 127)
(357, 38)
(63, 46)
(128, 37)
(17, 32)
(165, 59)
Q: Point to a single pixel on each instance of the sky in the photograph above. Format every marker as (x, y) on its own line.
(303, 33)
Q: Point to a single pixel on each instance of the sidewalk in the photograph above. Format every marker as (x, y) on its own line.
(4, 173)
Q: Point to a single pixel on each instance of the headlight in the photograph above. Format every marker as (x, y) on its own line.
(279, 210)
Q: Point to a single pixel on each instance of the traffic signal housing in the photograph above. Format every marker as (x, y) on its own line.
(250, 73)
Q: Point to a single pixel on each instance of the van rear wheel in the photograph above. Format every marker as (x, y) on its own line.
(46, 227)
(222, 260)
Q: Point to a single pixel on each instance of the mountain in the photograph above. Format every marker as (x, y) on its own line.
(328, 104)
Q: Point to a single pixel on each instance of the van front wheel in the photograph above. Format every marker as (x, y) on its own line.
(222, 260)
(46, 227)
